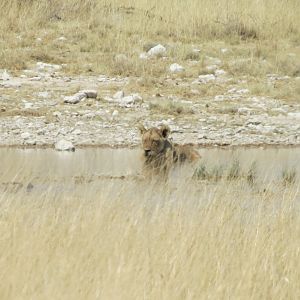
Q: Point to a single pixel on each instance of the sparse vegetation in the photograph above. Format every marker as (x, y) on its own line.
(170, 107)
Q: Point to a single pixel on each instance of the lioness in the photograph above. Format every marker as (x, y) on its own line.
(160, 153)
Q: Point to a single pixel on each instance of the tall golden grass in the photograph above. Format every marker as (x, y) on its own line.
(145, 239)
(177, 19)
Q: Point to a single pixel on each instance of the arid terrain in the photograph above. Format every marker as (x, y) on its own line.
(88, 224)
(231, 82)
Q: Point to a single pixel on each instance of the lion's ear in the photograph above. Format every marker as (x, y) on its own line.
(142, 129)
(165, 130)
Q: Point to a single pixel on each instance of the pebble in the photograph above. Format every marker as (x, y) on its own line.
(64, 145)
(5, 76)
(25, 135)
(176, 68)
(89, 93)
(206, 78)
(75, 98)
(119, 95)
(158, 50)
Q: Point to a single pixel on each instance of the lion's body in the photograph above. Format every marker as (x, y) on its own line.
(160, 153)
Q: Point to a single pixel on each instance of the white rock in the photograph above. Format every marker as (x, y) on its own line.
(144, 55)
(62, 38)
(25, 135)
(211, 67)
(43, 94)
(127, 100)
(206, 78)
(77, 131)
(118, 95)
(220, 72)
(41, 66)
(56, 114)
(64, 145)
(35, 78)
(90, 115)
(75, 98)
(28, 105)
(39, 40)
(224, 50)
(176, 68)
(102, 78)
(219, 98)
(115, 113)
(294, 115)
(244, 111)
(158, 50)
(90, 93)
(5, 76)
(196, 50)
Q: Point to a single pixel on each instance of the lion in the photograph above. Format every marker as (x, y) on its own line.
(159, 151)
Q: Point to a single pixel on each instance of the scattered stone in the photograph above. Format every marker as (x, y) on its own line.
(206, 78)
(61, 39)
(64, 145)
(43, 94)
(244, 111)
(176, 68)
(219, 98)
(224, 50)
(275, 77)
(25, 135)
(294, 115)
(28, 105)
(76, 131)
(143, 55)
(57, 114)
(131, 99)
(158, 50)
(220, 72)
(35, 78)
(195, 50)
(90, 93)
(5, 76)
(118, 95)
(41, 66)
(211, 68)
(237, 91)
(115, 113)
(75, 98)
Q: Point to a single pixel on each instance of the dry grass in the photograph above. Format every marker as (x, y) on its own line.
(96, 31)
(170, 107)
(140, 239)
(150, 242)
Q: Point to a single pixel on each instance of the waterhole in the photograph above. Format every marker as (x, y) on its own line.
(32, 169)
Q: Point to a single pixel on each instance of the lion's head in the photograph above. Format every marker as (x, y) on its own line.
(154, 140)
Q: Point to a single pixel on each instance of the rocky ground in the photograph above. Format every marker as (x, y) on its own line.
(42, 105)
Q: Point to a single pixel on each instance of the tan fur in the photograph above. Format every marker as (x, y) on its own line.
(160, 153)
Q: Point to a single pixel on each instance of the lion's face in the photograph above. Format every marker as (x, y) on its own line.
(153, 140)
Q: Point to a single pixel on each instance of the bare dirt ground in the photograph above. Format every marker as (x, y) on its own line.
(33, 111)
